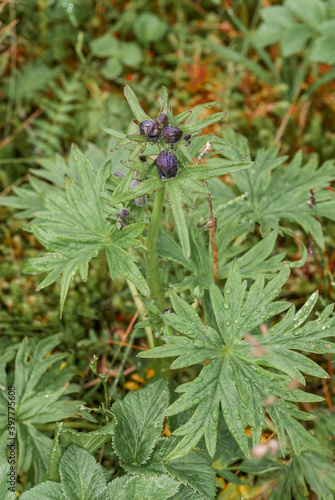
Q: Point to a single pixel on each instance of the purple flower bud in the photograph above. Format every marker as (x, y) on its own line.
(167, 165)
(123, 214)
(312, 197)
(162, 120)
(141, 200)
(150, 130)
(171, 134)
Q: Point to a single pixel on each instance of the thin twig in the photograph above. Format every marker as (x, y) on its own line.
(139, 304)
(15, 183)
(327, 395)
(22, 126)
(130, 326)
(111, 373)
(120, 370)
(312, 203)
(8, 26)
(212, 223)
(288, 114)
(126, 344)
(12, 74)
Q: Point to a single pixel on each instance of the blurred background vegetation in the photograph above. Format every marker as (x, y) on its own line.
(63, 67)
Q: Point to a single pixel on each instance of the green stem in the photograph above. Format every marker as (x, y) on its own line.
(139, 304)
(152, 267)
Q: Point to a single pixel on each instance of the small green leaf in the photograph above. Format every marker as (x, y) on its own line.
(105, 45)
(149, 28)
(47, 490)
(90, 441)
(112, 68)
(191, 127)
(216, 169)
(131, 54)
(55, 455)
(174, 196)
(139, 421)
(295, 39)
(81, 475)
(134, 105)
(143, 487)
(5, 480)
(144, 188)
(323, 49)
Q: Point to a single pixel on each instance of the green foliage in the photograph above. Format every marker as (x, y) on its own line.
(139, 423)
(149, 28)
(6, 494)
(119, 54)
(297, 23)
(74, 473)
(48, 132)
(41, 396)
(275, 194)
(249, 363)
(77, 230)
(238, 355)
(82, 477)
(90, 441)
(141, 409)
(311, 468)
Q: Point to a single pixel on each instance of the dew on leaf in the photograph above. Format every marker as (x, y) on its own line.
(215, 415)
(198, 344)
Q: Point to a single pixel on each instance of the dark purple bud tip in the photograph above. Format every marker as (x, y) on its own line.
(123, 214)
(162, 120)
(150, 130)
(167, 165)
(171, 134)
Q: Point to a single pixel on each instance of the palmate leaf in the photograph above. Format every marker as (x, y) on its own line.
(251, 260)
(237, 377)
(276, 194)
(41, 389)
(76, 231)
(311, 468)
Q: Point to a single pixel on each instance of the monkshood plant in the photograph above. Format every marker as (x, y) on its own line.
(251, 356)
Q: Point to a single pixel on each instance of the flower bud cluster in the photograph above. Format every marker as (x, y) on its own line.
(167, 163)
(160, 128)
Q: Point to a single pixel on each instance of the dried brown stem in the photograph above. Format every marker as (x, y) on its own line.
(288, 114)
(212, 223)
(327, 395)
